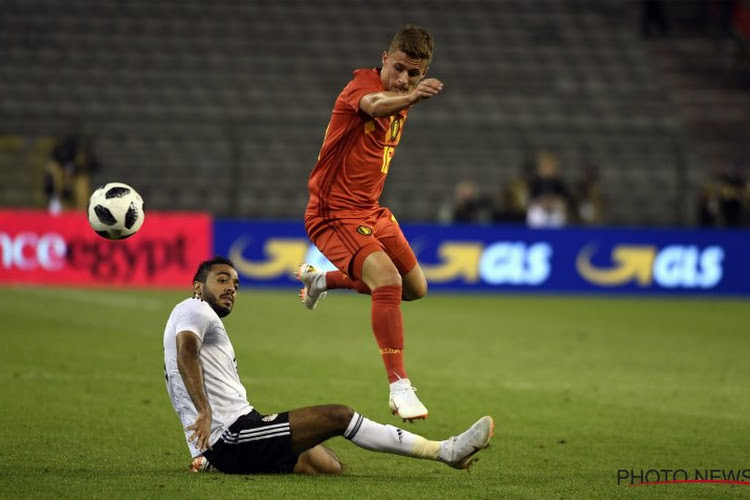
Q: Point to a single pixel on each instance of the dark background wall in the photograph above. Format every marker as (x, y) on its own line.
(222, 105)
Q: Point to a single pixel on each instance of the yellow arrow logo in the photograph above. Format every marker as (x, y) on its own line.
(632, 262)
(283, 257)
(459, 260)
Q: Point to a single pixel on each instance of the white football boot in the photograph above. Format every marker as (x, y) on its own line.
(457, 451)
(404, 402)
(314, 282)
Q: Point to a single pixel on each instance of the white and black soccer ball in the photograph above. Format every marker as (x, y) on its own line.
(116, 211)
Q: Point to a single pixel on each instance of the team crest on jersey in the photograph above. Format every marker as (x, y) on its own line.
(395, 129)
(270, 418)
(364, 230)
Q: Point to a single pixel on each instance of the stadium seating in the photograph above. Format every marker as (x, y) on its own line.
(222, 105)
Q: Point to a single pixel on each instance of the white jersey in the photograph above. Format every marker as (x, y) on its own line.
(226, 394)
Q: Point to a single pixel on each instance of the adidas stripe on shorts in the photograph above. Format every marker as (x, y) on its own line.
(254, 444)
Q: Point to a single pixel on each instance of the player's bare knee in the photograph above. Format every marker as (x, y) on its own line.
(334, 467)
(415, 284)
(326, 461)
(318, 460)
(378, 271)
(415, 292)
(305, 466)
(331, 464)
(387, 278)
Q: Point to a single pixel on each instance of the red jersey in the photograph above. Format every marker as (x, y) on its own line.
(356, 154)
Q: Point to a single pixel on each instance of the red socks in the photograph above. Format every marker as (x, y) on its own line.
(388, 327)
(387, 322)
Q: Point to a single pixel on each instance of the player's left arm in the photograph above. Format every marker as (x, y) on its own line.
(388, 103)
(191, 371)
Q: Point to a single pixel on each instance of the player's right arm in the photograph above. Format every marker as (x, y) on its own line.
(191, 371)
(388, 103)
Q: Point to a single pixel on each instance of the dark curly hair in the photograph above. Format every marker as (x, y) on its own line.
(205, 267)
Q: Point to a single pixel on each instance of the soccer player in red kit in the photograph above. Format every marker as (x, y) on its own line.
(344, 218)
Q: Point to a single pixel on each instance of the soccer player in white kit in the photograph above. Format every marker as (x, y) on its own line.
(222, 428)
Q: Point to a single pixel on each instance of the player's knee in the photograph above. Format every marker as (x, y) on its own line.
(378, 271)
(415, 292)
(331, 464)
(335, 467)
(318, 460)
(331, 467)
(389, 277)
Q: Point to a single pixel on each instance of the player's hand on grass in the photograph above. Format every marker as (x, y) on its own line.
(201, 431)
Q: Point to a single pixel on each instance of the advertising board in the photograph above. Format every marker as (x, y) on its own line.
(40, 248)
(514, 258)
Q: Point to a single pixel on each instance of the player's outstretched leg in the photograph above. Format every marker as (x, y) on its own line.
(314, 285)
(314, 425)
(456, 451)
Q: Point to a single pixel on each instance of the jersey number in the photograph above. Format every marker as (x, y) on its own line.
(393, 135)
(388, 153)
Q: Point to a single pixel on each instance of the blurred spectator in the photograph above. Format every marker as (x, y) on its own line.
(467, 205)
(67, 183)
(724, 198)
(58, 174)
(87, 162)
(708, 206)
(589, 199)
(511, 202)
(549, 198)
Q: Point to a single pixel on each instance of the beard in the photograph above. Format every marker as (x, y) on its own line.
(213, 301)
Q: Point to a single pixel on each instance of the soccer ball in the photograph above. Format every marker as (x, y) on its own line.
(116, 211)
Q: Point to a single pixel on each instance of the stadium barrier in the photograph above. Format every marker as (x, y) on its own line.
(517, 259)
(39, 248)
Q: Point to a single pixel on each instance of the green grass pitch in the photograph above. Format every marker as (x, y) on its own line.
(579, 388)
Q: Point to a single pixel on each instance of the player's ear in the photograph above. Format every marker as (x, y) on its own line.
(385, 57)
(197, 288)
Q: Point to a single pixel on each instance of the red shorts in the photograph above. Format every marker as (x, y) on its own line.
(347, 242)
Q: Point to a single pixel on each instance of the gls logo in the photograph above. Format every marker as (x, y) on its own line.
(501, 263)
(516, 263)
(674, 266)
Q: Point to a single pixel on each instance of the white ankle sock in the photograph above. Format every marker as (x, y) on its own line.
(389, 439)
